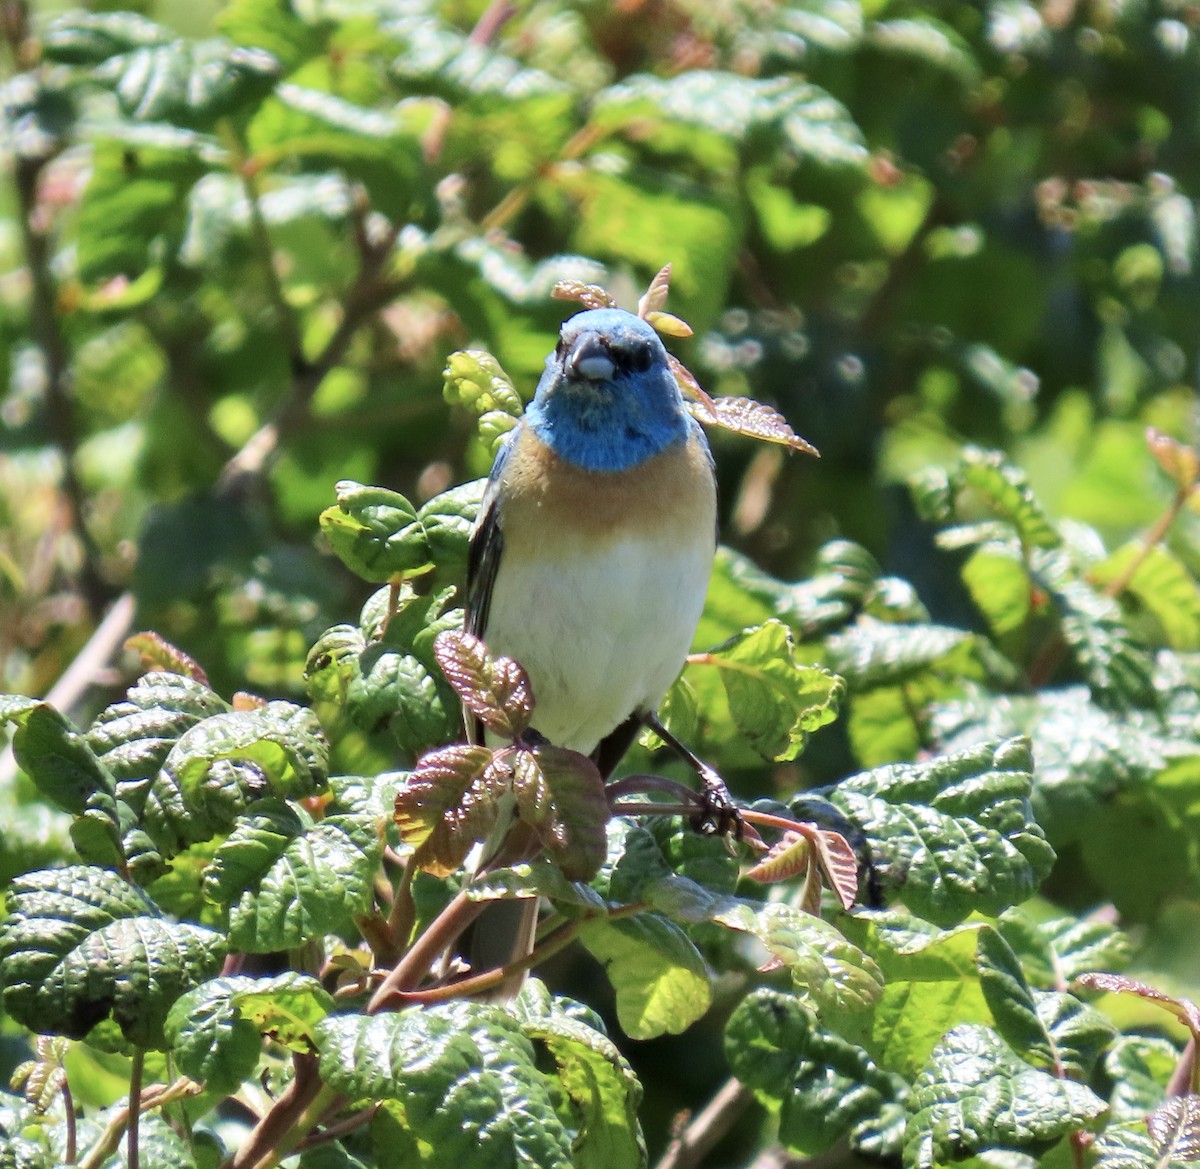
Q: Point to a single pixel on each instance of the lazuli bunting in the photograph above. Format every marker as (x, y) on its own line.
(591, 556)
(590, 559)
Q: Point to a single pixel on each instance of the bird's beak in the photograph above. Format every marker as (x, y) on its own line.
(589, 359)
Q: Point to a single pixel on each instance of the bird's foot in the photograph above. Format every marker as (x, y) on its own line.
(718, 814)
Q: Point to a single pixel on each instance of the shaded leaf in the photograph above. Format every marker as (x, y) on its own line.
(823, 1087)
(81, 944)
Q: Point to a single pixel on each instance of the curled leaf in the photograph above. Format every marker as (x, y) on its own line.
(1177, 459)
(588, 295)
(496, 690)
(1186, 1011)
(808, 849)
(157, 653)
(656, 295)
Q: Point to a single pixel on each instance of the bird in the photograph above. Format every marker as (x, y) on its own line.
(591, 554)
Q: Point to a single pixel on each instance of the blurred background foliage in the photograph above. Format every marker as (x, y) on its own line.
(238, 242)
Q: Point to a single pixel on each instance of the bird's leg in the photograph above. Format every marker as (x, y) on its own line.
(718, 815)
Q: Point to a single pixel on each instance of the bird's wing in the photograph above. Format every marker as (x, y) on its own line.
(486, 547)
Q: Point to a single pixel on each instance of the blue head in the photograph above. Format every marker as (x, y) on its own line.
(608, 400)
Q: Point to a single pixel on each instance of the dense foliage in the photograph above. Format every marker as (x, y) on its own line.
(254, 261)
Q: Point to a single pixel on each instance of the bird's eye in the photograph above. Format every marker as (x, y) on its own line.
(640, 360)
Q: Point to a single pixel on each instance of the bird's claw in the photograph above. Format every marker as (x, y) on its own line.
(718, 814)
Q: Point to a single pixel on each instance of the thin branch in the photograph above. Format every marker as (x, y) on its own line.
(137, 1066)
(1155, 536)
(707, 1128)
(46, 327)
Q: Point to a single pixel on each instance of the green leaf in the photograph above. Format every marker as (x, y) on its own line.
(774, 700)
(65, 769)
(274, 25)
(1059, 950)
(1140, 1068)
(1160, 584)
(706, 109)
(465, 1080)
(216, 1031)
(928, 42)
(376, 533)
(1054, 1031)
(188, 83)
(224, 763)
(985, 485)
(473, 379)
(133, 738)
(448, 519)
(88, 38)
(823, 1087)
(602, 1087)
(81, 944)
(287, 879)
(956, 831)
(661, 981)
(975, 1094)
(999, 584)
(1118, 669)
(931, 983)
(388, 678)
(134, 207)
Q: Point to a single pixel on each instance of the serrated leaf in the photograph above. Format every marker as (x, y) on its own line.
(41, 1079)
(560, 795)
(957, 832)
(985, 484)
(791, 855)
(1130, 1146)
(287, 879)
(823, 1087)
(775, 701)
(588, 295)
(473, 378)
(449, 802)
(472, 1054)
(224, 763)
(376, 533)
(661, 982)
(751, 419)
(81, 944)
(1058, 951)
(496, 690)
(1054, 1031)
(1140, 1067)
(976, 1094)
(216, 1031)
(1175, 1128)
(713, 111)
(1161, 584)
(448, 519)
(158, 654)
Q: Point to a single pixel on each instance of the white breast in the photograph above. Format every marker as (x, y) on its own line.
(602, 628)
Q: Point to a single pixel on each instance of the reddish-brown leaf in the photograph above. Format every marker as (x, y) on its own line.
(656, 295)
(450, 801)
(1177, 459)
(560, 794)
(157, 653)
(789, 855)
(496, 690)
(1183, 1009)
(839, 866)
(588, 295)
(1175, 1129)
(753, 419)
